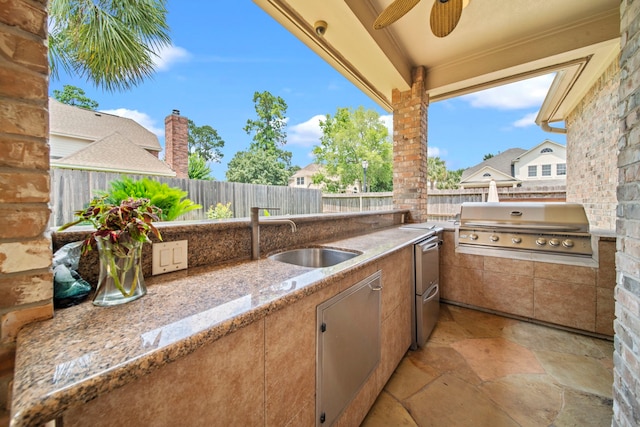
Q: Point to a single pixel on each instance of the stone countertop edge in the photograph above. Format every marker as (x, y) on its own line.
(86, 351)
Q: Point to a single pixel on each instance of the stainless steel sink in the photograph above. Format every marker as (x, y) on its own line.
(313, 257)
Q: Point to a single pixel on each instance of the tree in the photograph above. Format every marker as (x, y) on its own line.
(265, 162)
(436, 171)
(452, 181)
(198, 168)
(487, 156)
(349, 138)
(72, 95)
(257, 167)
(205, 141)
(439, 176)
(269, 128)
(112, 43)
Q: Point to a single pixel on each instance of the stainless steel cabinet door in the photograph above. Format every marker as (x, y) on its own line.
(427, 257)
(348, 346)
(428, 310)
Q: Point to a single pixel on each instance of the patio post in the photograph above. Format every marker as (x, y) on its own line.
(410, 147)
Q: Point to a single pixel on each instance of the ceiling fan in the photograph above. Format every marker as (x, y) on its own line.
(445, 14)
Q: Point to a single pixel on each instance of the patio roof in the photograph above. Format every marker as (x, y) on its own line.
(495, 42)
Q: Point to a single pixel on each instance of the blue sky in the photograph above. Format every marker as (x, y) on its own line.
(223, 52)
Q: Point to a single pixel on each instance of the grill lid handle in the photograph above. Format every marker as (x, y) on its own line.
(516, 213)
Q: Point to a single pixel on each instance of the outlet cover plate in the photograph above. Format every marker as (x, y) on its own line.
(169, 256)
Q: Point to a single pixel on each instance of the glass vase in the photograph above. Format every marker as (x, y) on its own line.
(120, 280)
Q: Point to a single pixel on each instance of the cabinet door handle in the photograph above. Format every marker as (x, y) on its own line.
(375, 287)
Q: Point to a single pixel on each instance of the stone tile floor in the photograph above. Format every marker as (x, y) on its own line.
(479, 369)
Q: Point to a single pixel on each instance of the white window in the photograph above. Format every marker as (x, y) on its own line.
(300, 180)
(546, 150)
(561, 169)
(546, 170)
(486, 174)
(533, 170)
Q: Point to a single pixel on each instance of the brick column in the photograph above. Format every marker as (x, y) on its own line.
(26, 280)
(410, 147)
(176, 143)
(592, 156)
(626, 380)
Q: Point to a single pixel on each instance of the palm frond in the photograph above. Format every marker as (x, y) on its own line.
(110, 42)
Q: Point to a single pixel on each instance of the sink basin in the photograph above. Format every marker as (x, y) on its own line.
(313, 257)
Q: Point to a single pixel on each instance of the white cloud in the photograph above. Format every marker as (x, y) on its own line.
(307, 133)
(526, 121)
(387, 120)
(141, 118)
(169, 55)
(524, 94)
(435, 152)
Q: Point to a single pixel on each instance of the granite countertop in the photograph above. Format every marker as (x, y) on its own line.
(85, 351)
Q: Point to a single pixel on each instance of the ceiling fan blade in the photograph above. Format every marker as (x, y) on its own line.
(445, 16)
(393, 12)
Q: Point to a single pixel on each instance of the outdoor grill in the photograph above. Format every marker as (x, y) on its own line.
(534, 227)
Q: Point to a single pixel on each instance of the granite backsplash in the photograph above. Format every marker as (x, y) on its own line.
(212, 242)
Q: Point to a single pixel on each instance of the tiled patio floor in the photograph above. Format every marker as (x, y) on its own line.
(480, 369)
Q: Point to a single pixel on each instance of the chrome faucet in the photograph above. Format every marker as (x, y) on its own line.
(255, 228)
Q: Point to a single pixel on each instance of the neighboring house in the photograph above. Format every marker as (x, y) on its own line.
(304, 179)
(544, 164)
(498, 168)
(92, 140)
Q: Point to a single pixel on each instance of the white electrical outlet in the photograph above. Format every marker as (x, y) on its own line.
(169, 256)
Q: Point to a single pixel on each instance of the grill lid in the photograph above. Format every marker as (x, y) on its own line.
(528, 216)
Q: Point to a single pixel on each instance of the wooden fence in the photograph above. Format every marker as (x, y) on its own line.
(71, 190)
(357, 202)
(441, 204)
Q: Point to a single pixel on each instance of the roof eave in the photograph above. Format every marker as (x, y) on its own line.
(112, 170)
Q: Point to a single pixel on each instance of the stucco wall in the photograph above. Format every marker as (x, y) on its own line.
(592, 137)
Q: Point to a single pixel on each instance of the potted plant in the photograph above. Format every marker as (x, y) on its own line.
(121, 231)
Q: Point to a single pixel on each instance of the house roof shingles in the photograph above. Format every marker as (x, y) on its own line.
(310, 169)
(94, 125)
(500, 162)
(115, 153)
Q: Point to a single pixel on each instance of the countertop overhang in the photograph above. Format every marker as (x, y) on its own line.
(86, 351)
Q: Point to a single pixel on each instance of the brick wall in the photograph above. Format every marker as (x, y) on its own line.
(176, 143)
(410, 147)
(626, 381)
(592, 138)
(25, 247)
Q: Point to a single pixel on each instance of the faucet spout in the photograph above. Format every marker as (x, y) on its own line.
(277, 221)
(255, 228)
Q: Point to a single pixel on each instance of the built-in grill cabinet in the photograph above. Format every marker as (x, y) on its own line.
(537, 227)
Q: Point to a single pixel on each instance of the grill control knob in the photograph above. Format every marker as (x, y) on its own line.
(473, 236)
(554, 242)
(494, 238)
(568, 243)
(516, 239)
(541, 241)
